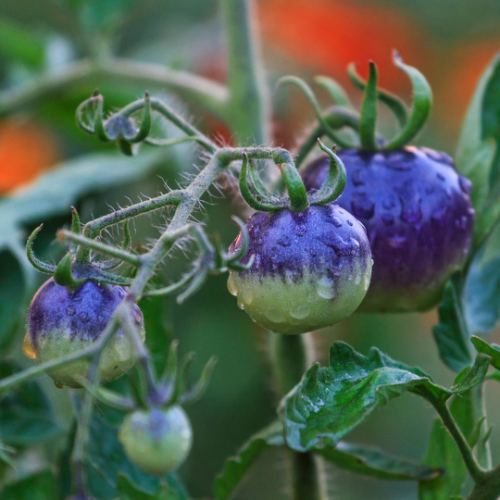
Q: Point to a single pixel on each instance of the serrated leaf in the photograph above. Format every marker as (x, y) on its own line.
(236, 467)
(493, 350)
(329, 402)
(26, 414)
(376, 463)
(451, 333)
(482, 295)
(443, 452)
(39, 486)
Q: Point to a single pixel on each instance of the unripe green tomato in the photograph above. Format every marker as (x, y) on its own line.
(158, 441)
(61, 322)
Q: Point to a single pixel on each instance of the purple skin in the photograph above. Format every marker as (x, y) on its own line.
(318, 259)
(419, 219)
(61, 321)
(85, 312)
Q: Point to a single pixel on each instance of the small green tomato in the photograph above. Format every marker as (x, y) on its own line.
(158, 441)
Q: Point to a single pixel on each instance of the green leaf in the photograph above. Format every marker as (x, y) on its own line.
(26, 414)
(236, 467)
(451, 334)
(329, 402)
(493, 350)
(478, 154)
(443, 452)
(376, 463)
(482, 294)
(40, 486)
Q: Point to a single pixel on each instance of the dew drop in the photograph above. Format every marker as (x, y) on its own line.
(354, 243)
(275, 316)
(349, 222)
(367, 283)
(84, 317)
(357, 281)
(440, 176)
(246, 296)
(284, 241)
(240, 304)
(70, 310)
(28, 347)
(336, 222)
(300, 312)
(357, 177)
(324, 288)
(465, 184)
(362, 206)
(231, 286)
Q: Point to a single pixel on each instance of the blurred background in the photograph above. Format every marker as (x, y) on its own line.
(450, 41)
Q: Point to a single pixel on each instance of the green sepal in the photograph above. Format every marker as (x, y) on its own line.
(392, 102)
(196, 392)
(295, 188)
(145, 126)
(126, 147)
(107, 397)
(99, 128)
(38, 264)
(336, 92)
(422, 104)
(245, 191)
(368, 120)
(80, 114)
(63, 275)
(317, 111)
(335, 180)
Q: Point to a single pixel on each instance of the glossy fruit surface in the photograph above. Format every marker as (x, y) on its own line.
(310, 269)
(419, 219)
(61, 322)
(157, 440)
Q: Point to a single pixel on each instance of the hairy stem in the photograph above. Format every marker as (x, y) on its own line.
(249, 102)
(291, 356)
(475, 470)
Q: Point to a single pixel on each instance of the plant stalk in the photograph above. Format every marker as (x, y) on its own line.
(249, 102)
(291, 356)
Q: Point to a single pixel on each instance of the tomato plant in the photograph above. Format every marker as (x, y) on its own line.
(347, 223)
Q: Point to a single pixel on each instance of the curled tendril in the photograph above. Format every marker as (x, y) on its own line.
(335, 180)
(317, 111)
(421, 108)
(38, 264)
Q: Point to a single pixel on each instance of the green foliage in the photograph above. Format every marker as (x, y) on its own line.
(443, 452)
(478, 152)
(26, 414)
(236, 467)
(329, 402)
(39, 486)
(482, 294)
(493, 350)
(451, 333)
(377, 463)
(18, 45)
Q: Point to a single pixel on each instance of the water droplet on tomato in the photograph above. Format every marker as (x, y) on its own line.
(28, 347)
(362, 206)
(231, 286)
(300, 312)
(465, 184)
(324, 288)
